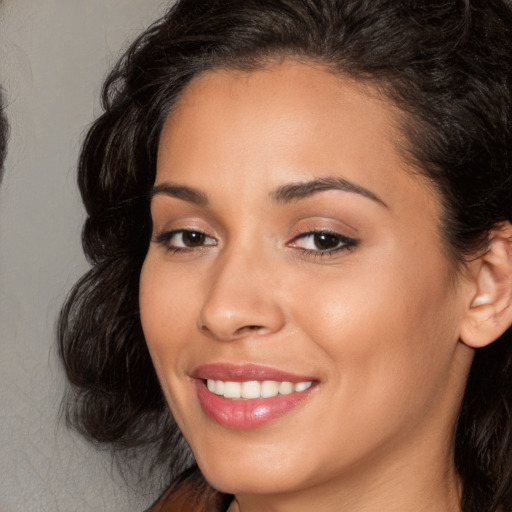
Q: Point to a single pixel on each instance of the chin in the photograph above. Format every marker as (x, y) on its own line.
(241, 476)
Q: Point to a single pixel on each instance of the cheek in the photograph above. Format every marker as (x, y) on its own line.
(389, 328)
(165, 311)
(160, 314)
(166, 299)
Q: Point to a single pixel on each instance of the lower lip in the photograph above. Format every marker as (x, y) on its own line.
(245, 414)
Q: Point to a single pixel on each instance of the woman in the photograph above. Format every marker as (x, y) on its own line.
(299, 230)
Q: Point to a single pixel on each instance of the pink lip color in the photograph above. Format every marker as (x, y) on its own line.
(235, 373)
(246, 414)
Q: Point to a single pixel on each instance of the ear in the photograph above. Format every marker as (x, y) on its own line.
(489, 312)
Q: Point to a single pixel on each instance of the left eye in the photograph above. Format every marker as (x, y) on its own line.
(185, 239)
(323, 241)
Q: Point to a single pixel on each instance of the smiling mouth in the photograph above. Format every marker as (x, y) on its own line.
(253, 389)
(249, 396)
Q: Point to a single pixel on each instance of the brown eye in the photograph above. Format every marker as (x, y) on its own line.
(184, 239)
(193, 238)
(323, 242)
(326, 241)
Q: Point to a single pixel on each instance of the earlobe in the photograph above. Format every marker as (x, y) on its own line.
(489, 312)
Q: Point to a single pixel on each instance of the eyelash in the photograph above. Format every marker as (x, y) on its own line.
(166, 237)
(345, 243)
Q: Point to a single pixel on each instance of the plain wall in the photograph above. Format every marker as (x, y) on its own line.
(54, 56)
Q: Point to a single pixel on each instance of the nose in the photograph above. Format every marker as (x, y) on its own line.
(241, 299)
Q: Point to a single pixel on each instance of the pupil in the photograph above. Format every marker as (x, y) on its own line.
(193, 238)
(326, 241)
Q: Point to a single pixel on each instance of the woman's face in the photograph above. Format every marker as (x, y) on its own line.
(292, 244)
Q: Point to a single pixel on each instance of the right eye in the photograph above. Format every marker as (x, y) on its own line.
(184, 239)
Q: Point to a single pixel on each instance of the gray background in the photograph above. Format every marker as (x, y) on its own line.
(54, 55)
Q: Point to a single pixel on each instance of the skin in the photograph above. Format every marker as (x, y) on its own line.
(378, 323)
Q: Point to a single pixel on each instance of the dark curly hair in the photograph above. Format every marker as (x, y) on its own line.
(4, 133)
(447, 66)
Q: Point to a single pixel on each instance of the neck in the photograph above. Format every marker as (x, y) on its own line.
(418, 485)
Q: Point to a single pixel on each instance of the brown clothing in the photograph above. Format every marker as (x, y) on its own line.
(191, 493)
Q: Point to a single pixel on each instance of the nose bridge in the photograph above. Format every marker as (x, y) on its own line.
(240, 299)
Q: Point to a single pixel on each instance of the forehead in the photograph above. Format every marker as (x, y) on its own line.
(270, 99)
(284, 123)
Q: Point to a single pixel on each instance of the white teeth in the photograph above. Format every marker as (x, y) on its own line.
(219, 386)
(232, 389)
(285, 388)
(302, 386)
(253, 389)
(269, 388)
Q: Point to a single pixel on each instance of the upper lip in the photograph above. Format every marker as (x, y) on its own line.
(241, 373)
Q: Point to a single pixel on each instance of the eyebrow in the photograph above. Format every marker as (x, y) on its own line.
(284, 194)
(297, 191)
(189, 194)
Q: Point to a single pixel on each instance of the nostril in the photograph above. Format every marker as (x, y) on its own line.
(248, 328)
(228, 334)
